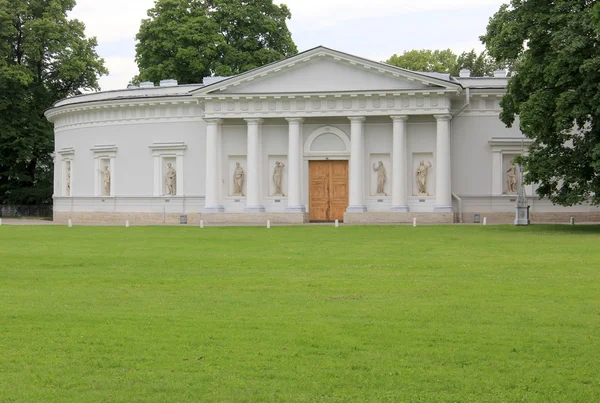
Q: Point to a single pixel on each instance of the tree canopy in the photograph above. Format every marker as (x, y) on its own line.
(445, 61)
(555, 92)
(44, 57)
(191, 39)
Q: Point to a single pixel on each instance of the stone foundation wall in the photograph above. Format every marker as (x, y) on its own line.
(397, 218)
(112, 218)
(536, 218)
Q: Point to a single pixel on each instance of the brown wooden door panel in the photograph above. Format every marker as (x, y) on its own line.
(328, 190)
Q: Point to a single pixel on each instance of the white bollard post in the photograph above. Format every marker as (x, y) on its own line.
(126, 223)
(337, 223)
(484, 220)
(572, 221)
(0, 221)
(415, 222)
(201, 223)
(268, 223)
(70, 223)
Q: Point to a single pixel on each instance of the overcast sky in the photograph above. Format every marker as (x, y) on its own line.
(375, 29)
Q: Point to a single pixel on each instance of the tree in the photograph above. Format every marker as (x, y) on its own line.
(44, 57)
(481, 65)
(555, 92)
(441, 61)
(191, 39)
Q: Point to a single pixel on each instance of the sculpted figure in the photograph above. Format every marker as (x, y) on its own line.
(381, 177)
(422, 177)
(238, 180)
(171, 179)
(68, 189)
(106, 180)
(277, 175)
(511, 178)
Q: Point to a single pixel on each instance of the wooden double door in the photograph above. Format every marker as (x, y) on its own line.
(328, 190)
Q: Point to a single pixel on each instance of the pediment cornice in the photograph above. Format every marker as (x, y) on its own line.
(322, 52)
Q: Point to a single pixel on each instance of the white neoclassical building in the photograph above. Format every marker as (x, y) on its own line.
(319, 136)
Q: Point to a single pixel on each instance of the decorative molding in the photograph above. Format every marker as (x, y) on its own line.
(66, 152)
(104, 148)
(173, 148)
(371, 104)
(338, 57)
(308, 153)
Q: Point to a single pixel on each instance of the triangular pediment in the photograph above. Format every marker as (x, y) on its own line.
(323, 70)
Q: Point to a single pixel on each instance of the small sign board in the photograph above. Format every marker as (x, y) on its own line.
(476, 218)
(421, 200)
(236, 201)
(379, 200)
(277, 201)
(183, 219)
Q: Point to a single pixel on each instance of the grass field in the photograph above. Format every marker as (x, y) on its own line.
(174, 314)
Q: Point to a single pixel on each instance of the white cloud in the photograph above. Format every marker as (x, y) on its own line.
(122, 70)
(328, 12)
(111, 20)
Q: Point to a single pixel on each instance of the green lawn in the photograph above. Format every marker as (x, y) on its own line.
(174, 314)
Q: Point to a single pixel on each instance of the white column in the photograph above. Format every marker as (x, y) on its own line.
(212, 202)
(399, 178)
(253, 201)
(294, 161)
(157, 175)
(357, 194)
(443, 189)
(179, 177)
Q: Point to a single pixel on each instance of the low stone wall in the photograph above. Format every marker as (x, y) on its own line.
(397, 218)
(253, 218)
(113, 218)
(536, 218)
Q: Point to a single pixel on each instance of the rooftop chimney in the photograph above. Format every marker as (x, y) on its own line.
(500, 73)
(132, 87)
(147, 84)
(465, 73)
(168, 83)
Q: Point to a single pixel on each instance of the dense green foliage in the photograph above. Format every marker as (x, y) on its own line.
(44, 57)
(353, 314)
(445, 61)
(555, 49)
(192, 39)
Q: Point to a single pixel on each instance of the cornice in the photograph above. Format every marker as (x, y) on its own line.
(323, 52)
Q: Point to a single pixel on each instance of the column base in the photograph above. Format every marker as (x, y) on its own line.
(295, 209)
(443, 209)
(254, 209)
(400, 209)
(356, 209)
(213, 209)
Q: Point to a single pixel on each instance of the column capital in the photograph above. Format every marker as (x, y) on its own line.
(443, 117)
(254, 121)
(357, 118)
(213, 121)
(295, 120)
(399, 118)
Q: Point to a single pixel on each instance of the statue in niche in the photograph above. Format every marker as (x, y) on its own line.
(68, 185)
(381, 178)
(171, 180)
(422, 177)
(277, 175)
(511, 178)
(106, 181)
(238, 180)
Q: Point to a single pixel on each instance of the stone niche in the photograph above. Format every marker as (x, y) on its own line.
(231, 165)
(387, 164)
(416, 159)
(163, 174)
(506, 160)
(272, 160)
